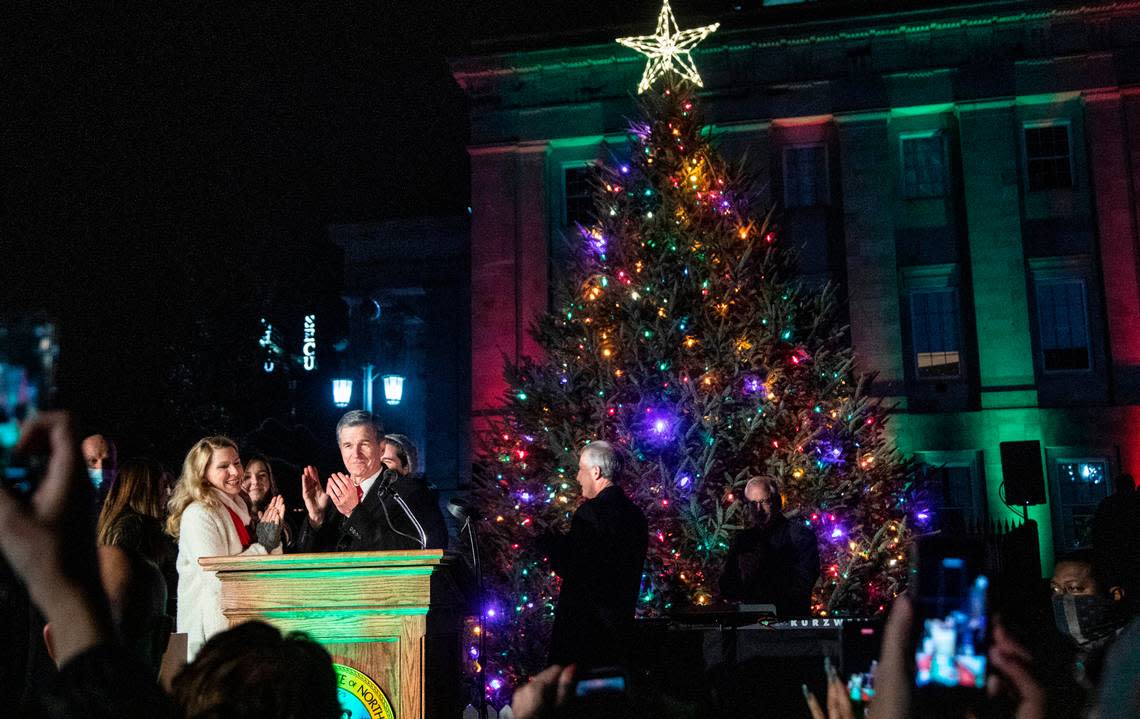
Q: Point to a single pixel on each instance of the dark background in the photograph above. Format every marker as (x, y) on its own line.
(169, 175)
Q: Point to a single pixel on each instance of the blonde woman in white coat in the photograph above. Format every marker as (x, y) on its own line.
(210, 518)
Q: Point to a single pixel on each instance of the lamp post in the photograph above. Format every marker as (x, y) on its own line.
(393, 388)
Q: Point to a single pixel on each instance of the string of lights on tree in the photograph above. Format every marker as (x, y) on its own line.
(683, 337)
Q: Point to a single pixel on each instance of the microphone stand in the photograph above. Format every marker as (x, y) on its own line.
(469, 527)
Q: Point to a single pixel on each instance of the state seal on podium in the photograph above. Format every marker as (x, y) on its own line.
(359, 696)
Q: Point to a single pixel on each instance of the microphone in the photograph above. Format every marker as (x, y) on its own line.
(387, 480)
(463, 510)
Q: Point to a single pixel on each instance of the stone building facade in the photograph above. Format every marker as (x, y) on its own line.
(968, 173)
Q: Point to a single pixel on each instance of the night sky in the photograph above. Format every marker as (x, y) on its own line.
(169, 176)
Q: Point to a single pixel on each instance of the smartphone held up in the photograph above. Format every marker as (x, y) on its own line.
(29, 350)
(951, 623)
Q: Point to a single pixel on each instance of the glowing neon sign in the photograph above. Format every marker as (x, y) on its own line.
(309, 344)
(266, 341)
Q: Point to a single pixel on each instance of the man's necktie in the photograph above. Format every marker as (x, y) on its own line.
(359, 493)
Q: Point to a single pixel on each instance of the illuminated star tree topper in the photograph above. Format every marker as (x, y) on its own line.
(668, 49)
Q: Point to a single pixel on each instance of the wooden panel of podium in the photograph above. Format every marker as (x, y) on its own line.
(394, 617)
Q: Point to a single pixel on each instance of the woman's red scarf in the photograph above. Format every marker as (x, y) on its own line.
(242, 531)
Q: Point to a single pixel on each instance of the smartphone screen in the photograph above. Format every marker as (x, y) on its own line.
(601, 683)
(951, 618)
(28, 351)
(860, 643)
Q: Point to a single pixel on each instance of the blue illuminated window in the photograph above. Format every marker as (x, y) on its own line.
(934, 333)
(1063, 324)
(1081, 484)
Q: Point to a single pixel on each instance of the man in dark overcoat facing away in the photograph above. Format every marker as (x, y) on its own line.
(600, 562)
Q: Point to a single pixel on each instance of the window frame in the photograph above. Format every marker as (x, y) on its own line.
(1055, 272)
(825, 201)
(564, 168)
(1040, 124)
(956, 304)
(972, 461)
(931, 278)
(943, 148)
(1059, 512)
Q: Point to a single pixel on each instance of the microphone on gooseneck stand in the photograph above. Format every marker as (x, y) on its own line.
(468, 514)
(386, 482)
(386, 486)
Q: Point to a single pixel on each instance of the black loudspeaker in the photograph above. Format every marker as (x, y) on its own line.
(1021, 469)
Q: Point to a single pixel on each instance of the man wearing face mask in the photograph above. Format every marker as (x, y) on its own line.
(100, 456)
(1088, 611)
(775, 561)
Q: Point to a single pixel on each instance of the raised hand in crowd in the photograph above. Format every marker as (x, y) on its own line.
(343, 493)
(1013, 663)
(50, 544)
(892, 678)
(545, 692)
(838, 705)
(315, 497)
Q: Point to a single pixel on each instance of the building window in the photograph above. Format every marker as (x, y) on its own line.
(805, 176)
(924, 165)
(1048, 165)
(1081, 485)
(578, 192)
(1063, 325)
(957, 489)
(934, 333)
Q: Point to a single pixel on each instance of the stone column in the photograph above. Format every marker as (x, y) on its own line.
(508, 261)
(867, 163)
(1108, 144)
(989, 135)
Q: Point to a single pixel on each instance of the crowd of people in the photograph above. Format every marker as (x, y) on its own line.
(91, 598)
(101, 570)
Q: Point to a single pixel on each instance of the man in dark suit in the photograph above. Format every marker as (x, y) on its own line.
(370, 507)
(775, 561)
(600, 564)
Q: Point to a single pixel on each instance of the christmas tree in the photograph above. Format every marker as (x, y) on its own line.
(682, 336)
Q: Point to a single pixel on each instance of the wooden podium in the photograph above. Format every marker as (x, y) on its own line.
(394, 617)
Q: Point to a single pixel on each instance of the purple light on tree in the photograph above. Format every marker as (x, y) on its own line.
(595, 239)
(684, 481)
(754, 385)
(659, 427)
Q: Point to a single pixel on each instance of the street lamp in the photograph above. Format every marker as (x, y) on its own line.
(393, 388)
(342, 392)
